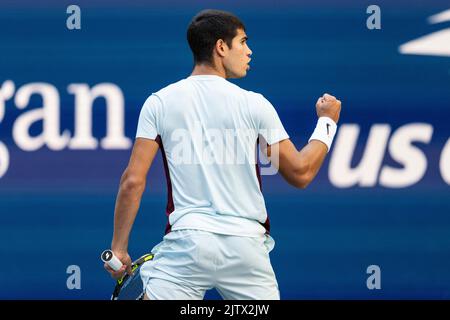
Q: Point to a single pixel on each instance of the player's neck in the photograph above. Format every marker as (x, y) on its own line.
(203, 69)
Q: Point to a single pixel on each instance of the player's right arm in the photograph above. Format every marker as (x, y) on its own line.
(132, 185)
(299, 167)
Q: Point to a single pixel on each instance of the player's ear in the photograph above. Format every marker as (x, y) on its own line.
(221, 48)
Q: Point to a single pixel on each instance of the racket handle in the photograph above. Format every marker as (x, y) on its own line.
(111, 260)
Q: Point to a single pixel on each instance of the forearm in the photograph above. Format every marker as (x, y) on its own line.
(311, 156)
(126, 208)
(299, 168)
(316, 150)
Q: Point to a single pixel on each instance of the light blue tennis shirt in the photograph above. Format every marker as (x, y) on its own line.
(208, 129)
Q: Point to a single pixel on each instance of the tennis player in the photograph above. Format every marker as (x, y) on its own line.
(217, 235)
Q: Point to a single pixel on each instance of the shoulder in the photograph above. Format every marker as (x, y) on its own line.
(165, 96)
(173, 90)
(258, 102)
(248, 93)
(254, 99)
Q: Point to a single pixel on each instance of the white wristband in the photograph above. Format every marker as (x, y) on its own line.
(325, 131)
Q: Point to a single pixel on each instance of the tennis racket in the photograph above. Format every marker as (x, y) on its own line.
(129, 287)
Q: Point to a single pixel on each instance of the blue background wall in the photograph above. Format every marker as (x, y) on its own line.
(56, 207)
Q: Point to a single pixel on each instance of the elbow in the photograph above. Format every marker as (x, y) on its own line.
(302, 183)
(303, 176)
(130, 183)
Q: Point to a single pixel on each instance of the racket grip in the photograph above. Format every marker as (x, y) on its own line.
(111, 260)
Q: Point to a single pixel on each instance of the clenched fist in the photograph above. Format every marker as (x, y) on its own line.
(328, 106)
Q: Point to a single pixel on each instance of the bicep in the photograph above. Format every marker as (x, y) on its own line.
(285, 157)
(142, 156)
(265, 119)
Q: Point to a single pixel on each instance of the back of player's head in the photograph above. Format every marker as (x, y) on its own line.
(206, 28)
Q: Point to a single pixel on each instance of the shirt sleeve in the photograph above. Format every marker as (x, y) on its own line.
(149, 118)
(267, 121)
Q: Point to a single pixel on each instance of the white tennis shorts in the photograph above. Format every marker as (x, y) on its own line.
(189, 262)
